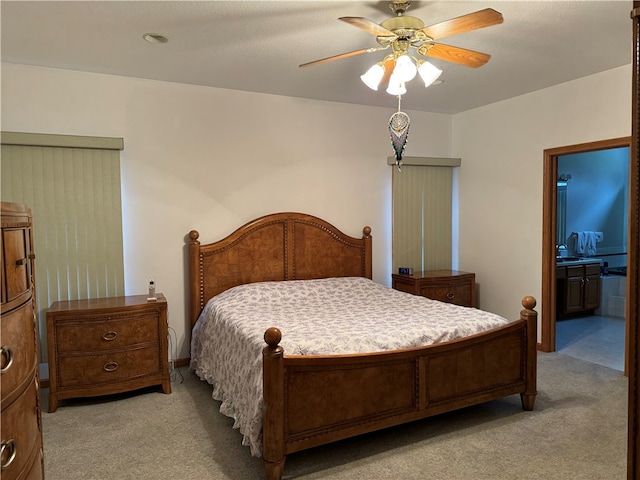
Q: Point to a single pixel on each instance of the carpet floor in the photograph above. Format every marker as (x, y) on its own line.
(576, 431)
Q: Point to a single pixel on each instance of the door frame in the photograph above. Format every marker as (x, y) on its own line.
(549, 228)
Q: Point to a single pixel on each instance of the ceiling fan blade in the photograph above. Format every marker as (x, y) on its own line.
(342, 55)
(465, 23)
(368, 26)
(459, 55)
(389, 65)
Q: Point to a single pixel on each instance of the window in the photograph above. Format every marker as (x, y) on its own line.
(72, 185)
(422, 213)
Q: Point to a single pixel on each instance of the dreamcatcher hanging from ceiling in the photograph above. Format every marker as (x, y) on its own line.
(399, 129)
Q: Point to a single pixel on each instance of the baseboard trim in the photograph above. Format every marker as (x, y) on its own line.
(181, 362)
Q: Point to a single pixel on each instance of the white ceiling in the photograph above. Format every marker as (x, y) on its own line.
(257, 45)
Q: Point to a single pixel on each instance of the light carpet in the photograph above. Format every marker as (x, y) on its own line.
(578, 430)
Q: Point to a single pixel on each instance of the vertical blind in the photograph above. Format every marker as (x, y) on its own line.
(422, 217)
(74, 194)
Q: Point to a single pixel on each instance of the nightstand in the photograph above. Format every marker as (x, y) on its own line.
(103, 346)
(451, 286)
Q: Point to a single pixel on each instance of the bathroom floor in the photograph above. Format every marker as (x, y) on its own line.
(595, 339)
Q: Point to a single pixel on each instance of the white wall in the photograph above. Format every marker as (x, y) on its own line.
(212, 159)
(500, 180)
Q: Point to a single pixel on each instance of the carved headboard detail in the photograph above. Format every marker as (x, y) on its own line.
(276, 247)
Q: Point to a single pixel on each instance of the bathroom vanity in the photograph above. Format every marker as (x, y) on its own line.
(578, 285)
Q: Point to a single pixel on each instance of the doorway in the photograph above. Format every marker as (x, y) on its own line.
(550, 234)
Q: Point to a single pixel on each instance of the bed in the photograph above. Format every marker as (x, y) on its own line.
(313, 399)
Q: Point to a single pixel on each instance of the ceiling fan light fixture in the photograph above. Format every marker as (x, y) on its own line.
(396, 86)
(405, 70)
(428, 72)
(373, 76)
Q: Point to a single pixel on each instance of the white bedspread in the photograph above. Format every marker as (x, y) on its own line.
(326, 316)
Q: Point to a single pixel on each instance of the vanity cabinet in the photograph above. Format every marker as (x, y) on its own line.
(578, 288)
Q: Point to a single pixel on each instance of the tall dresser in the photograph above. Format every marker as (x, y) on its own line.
(20, 422)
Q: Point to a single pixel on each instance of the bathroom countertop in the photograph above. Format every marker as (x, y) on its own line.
(569, 261)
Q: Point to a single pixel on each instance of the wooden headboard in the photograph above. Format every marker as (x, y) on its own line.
(276, 247)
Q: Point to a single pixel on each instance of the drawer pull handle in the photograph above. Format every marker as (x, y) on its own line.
(8, 448)
(451, 296)
(110, 366)
(7, 353)
(110, 336)
(22, 261)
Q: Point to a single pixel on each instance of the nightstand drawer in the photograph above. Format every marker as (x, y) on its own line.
(459, 294)
(101, 333)
(83, 370)
(451, 286)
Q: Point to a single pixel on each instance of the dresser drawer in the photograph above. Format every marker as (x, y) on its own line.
(89, 370)
(20, 433)
(18, 355)
(106, 332)
(17, 266)
(36, 472)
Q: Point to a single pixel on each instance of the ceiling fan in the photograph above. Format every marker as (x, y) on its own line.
(403, 32)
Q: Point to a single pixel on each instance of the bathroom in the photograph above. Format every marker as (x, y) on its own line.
(593, 196)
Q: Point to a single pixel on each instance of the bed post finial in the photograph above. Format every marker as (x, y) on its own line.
(366, 231)
(528, 302)
(272, 336)
(193, 236)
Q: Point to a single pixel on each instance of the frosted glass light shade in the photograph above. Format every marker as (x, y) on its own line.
(429, 73)
(405, 69)
(373, 76)
(396, 86)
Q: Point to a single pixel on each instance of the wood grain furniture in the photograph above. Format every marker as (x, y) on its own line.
(21, 425)
(403, 385)
(451, 286)
(103, 346)
(578, 288)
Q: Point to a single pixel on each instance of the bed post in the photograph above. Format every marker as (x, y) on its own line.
(195, 286)
(528, 397)
(273, 415)
(368, 252)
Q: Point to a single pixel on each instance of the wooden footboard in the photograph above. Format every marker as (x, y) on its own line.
(314, 400)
